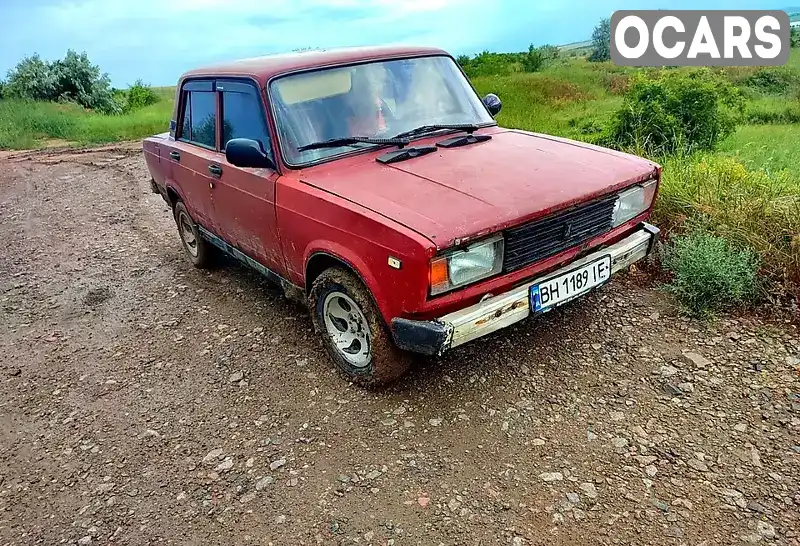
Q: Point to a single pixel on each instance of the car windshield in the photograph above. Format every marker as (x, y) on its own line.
(372, 100)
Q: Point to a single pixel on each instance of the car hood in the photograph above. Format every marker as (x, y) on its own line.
(457, 194)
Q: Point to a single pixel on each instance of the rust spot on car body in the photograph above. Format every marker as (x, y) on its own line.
(500, 312)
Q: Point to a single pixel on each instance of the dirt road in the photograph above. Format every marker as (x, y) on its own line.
(143, 401)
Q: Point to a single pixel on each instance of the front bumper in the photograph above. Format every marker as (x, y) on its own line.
(433, 337)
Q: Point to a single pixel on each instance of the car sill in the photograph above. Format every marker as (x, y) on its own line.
(288, 287)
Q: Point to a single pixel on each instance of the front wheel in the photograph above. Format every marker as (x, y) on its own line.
(352, 330)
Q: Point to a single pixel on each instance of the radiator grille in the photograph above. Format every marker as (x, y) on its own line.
(548, 236)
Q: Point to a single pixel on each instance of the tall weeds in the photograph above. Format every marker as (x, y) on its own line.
(751, 208)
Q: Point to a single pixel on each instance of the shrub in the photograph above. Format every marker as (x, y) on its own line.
(709, 273)
(675, 111)
(534, 60)
(550, 51)
(490, 64)
(32, 79)
(71, 79)
(795, 36)
(601, 41)
(2, 88)
(138, 96)
(78, 80)
(537, 57)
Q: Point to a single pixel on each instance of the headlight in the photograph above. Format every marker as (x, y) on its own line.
(460, 267)
(633, 201)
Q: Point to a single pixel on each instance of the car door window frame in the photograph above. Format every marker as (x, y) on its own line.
(234, 85)
(204, 86)
(218, 86)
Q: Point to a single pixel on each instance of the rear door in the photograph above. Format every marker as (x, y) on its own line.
(195, 148)
(244, 198)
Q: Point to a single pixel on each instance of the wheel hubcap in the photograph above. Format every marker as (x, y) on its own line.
(187, 234)
(348, 328)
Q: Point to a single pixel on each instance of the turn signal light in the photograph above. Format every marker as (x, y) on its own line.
(438, 276)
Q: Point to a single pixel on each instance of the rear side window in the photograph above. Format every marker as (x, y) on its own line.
(199, 122)
(203, 107)
(243, 115)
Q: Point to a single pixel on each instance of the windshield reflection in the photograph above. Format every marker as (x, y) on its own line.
(377, 99)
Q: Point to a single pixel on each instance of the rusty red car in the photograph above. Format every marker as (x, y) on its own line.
(375, 185)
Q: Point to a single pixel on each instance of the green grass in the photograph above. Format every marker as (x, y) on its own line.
(573, 98)
(25, 124)
(538, 103)
(772, 109)
(769, 147)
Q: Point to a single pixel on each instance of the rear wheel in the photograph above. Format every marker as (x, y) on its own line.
(352, 330)
(199, 251)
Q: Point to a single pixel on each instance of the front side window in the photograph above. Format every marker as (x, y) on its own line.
(200, 118)
(377, 99)
(243, 117)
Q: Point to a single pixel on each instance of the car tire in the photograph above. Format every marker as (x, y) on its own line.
(199, 251)
(352, 330)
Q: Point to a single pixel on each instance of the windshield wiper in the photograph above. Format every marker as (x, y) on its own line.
(348, 141)
(468, 127)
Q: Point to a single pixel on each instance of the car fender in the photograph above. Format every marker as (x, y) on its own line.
(356, 264)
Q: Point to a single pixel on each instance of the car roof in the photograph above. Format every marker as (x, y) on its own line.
(264, 68)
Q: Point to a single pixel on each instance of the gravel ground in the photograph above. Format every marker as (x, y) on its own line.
(143, 401)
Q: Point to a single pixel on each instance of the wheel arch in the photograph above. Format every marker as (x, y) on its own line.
(173, 196)
(321, 259)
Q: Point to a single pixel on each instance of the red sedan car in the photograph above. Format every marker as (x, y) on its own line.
(375, 185)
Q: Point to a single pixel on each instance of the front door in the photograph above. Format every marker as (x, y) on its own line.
(244, 198)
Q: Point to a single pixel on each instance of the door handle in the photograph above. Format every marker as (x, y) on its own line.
(215, 170)
(175, 155)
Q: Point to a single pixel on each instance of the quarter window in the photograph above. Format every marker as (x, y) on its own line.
(186, 126)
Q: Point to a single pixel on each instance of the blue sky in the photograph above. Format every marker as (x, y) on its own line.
(157, 40)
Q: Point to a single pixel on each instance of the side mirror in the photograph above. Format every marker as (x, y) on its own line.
(492, 103)
(245, 152)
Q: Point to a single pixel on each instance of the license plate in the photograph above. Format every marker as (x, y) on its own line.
(568, 285)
